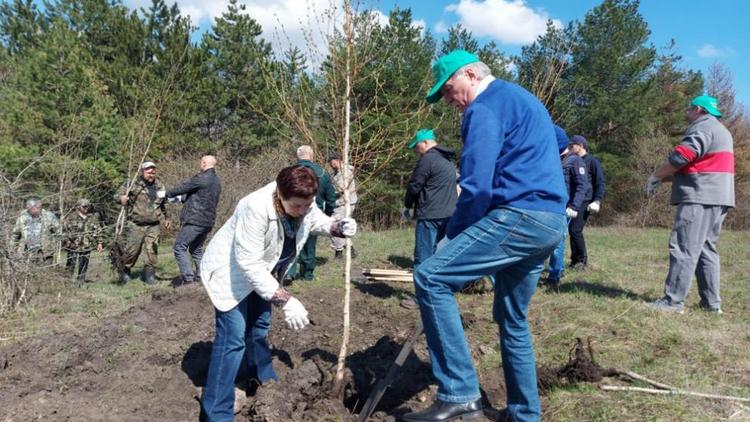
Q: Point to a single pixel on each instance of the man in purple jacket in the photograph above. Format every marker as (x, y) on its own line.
(701, 168)
(509, 217)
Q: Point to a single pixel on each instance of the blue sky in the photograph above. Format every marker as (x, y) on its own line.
(705, 31)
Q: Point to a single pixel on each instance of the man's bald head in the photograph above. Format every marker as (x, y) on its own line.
(208, 162)
(305, 152)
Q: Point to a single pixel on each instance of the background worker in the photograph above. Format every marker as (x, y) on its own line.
(591, 204)
(83, 233)
(325, 199)
(701, 168)
(577, 185)
(145, 212)
(201, 196)
(431, 192)
(340, 185)
(36, 233)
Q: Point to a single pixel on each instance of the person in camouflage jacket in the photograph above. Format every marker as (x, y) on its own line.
(36, 233)
(145, 204)
(83, 232)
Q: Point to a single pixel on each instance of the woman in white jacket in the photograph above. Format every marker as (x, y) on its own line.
(241, 269)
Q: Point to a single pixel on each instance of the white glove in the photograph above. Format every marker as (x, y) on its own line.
(175, 199)
(295, 314)
(571, 213)
(594, 207)
(651, 185)
(161, 194)
(348, 227)
(405, 214)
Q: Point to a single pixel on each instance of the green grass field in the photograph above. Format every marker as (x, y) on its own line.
(696, 351)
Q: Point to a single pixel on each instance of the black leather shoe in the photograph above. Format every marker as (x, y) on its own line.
(441, 411)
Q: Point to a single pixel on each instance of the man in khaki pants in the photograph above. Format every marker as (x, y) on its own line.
(145, 212)
(339, 212)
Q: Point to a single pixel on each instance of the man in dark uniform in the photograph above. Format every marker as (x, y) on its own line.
(591, 204)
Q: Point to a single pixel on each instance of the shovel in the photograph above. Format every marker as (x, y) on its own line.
(383, 384)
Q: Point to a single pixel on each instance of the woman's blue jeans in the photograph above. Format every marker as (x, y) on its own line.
(241, 331)
(512, 244)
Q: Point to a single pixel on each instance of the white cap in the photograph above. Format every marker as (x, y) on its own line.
(147, 165)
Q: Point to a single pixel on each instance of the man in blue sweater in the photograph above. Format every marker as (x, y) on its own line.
(509, 217)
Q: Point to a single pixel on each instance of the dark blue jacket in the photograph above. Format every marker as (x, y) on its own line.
(432, 187)
(576, 180)
(596, 178)
(509, 157)
(202, 196)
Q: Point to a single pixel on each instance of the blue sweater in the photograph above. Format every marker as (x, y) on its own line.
(509, 157)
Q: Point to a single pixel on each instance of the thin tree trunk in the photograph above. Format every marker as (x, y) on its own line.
(338, 383)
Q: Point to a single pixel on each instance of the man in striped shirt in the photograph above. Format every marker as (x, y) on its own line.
(701, 168)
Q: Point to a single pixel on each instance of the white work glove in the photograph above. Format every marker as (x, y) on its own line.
(348, 227)
(571, 213)
(295, 314)
(651, 185)
(405, 214)
(161, 194)
(594, 207)
(176, 199)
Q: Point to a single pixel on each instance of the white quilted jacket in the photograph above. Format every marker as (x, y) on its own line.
(240, 257)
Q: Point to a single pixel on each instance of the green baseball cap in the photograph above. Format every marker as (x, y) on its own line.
(445, 67)
(422, 135)
(710, 104)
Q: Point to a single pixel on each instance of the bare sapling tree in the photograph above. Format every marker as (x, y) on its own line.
(324, 108)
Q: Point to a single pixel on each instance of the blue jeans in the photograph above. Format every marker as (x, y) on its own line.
(557, 259)
(241, 331)
(189, 242)
(512, 244)
(426, 237)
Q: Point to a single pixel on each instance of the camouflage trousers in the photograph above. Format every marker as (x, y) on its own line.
(136, 239)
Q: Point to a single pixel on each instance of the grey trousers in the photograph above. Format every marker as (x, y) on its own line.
(189, 243)
(692, 250)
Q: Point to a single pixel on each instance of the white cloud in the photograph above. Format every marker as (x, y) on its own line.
(301, 23)
(709, 51)
(508, 21)
(420, 24)
(441, 27)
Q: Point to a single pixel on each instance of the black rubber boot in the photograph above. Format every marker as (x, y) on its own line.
(149, 277)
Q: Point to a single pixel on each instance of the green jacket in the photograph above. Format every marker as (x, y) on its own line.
(326, 197)
(82, 233)
(48, 236)
(144, 205)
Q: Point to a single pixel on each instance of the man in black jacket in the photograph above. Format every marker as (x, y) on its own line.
(201, 196)
(591, 203)
(431, 192)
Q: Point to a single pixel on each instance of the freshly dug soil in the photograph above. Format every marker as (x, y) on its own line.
(149, 362)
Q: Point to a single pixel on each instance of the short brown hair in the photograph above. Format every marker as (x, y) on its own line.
(297, 182)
